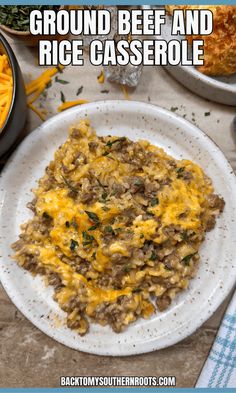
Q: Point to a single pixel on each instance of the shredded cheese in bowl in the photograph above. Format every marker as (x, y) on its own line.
(6, 88)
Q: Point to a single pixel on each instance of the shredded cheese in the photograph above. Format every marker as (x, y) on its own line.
(70, 104)
(35, 110)
(124, 90)
(6, 88)
(101, 77)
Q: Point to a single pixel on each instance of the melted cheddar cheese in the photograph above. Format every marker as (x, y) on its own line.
(116, 225)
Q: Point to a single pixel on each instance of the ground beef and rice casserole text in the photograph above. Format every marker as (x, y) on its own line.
(117, 227)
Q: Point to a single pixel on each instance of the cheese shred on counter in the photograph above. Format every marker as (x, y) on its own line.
(117, 228)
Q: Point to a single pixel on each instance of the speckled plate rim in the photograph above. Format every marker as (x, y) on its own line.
(142, 345)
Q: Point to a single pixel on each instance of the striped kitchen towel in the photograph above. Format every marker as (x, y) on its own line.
(219, 370)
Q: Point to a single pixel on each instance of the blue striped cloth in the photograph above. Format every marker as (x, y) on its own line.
(219, 370)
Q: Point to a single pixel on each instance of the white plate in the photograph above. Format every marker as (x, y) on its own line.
(218, 89)
(217, 272)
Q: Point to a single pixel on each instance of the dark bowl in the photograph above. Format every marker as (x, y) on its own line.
(16, 117)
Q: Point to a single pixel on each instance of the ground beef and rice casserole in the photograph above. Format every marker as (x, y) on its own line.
(117, 227)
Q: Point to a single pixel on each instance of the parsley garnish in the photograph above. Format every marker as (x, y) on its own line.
(154, 201)
(187, 259)
(72, 188)
(73, 244)
(136, 290)
(109, 229)
(167, 268)
(63, 98)
(88, 239)
(46, 216)
(184, 235)
(74, 224)
(61, 81)
(80, 89)
(138, 182)
(94, 227)
(110, 143)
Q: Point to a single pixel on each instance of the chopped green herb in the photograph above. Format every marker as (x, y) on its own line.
(72, 188)
(184, 235)
(105, 91)
(74, 224)
(187, 259)
(110, 143)
(94, 227)
(141, 236)
(88, 239)
(79, 91)
(138, 182)
(59, 69)
(105, 208)
(180, 171)
(101, 185)
(61, 81)
(168, 268)
(154, 201)
(87, 243)
(49, 84)
(73, 244)
(92, 216)
(86, 236)
(63, 98)
(148, 242)
(109, 229)
(126, 269)
(106, 153)
(104, 195)
(153, 256)
(174, 108)
(207, 113)
(94, 255)
(18, 17)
